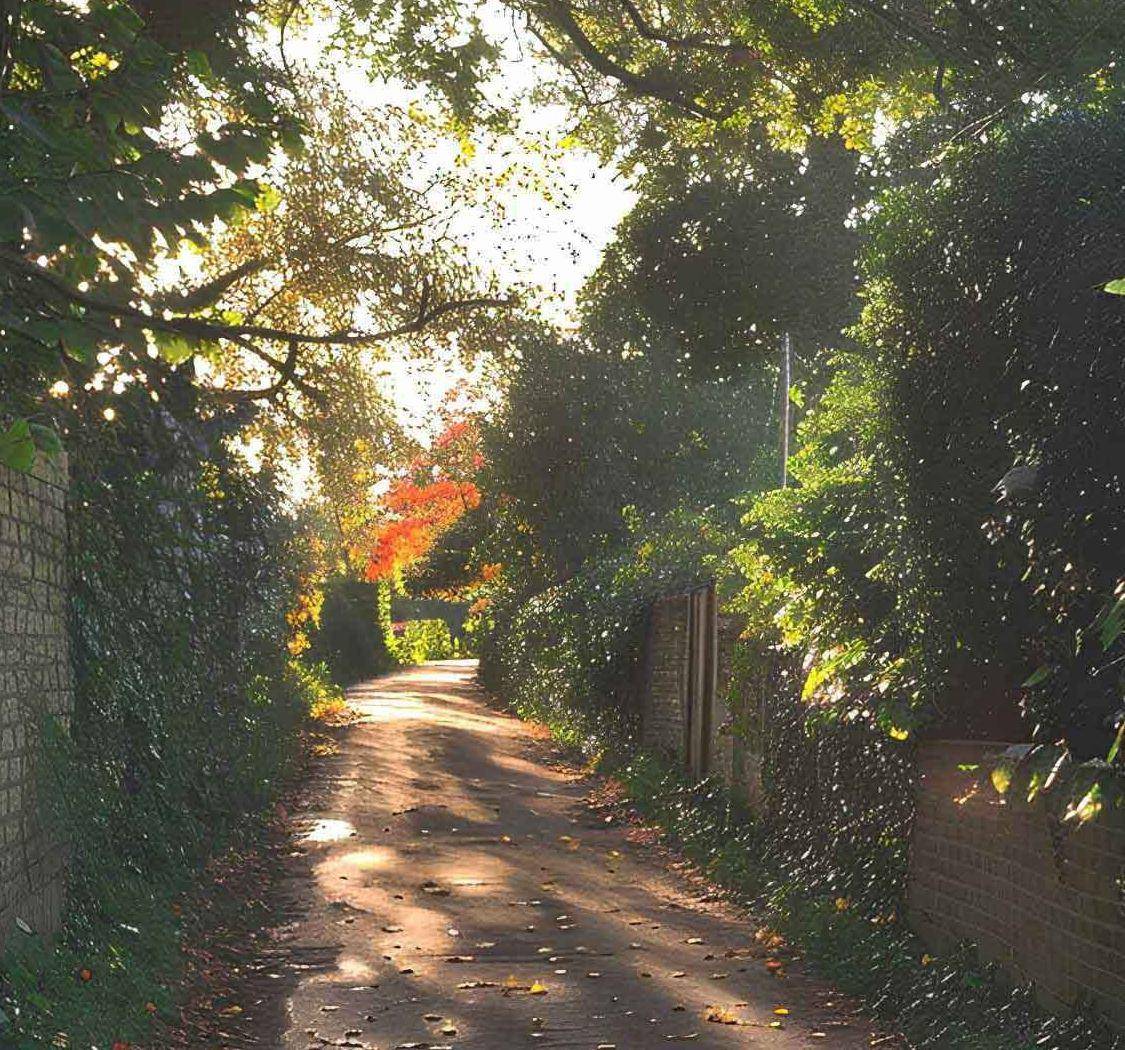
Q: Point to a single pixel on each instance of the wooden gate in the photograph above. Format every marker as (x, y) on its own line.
(700, 668)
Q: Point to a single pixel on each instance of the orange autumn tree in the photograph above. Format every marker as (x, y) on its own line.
(433, 493)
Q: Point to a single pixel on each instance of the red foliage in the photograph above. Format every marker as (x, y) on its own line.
(431, 496)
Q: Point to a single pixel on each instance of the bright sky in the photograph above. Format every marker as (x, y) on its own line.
(551, 246)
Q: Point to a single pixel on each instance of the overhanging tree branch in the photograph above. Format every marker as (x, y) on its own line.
(210, 293)
(286, 374)
(693, 43)
(210, 331)
(559, 14)
(734, 50)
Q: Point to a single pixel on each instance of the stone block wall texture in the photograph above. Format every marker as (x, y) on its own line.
(663, 718)
(35, 681)
(1044, 899)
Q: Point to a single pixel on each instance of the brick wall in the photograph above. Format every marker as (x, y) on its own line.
(35, 680)
(1043, 899)
(662, 710)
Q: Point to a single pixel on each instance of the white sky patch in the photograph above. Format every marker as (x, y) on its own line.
(550, 246)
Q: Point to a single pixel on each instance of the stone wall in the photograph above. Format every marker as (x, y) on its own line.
(1044, 899)
(35, 681)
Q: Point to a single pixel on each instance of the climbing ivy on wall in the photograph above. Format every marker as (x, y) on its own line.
(185, 720)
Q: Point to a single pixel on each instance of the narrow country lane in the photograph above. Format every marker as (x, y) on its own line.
(451, 889)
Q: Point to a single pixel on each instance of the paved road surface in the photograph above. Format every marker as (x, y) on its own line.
(452, 888)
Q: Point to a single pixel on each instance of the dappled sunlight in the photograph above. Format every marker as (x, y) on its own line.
(352, 969)
(367, 859)
(476, 902)
(327, 830)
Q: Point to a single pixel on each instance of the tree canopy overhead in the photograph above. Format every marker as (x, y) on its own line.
(636, 71)
(212, 213)
(173, 192)
(721, 254)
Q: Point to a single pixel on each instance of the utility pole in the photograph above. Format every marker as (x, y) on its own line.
(784, 408)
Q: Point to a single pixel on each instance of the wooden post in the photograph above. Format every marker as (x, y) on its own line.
(784, 409)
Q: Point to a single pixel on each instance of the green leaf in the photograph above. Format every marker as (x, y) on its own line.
(175, 349)
(78, 341)
(199, 65)
(268, 200)
(46, 439)
(1114, 623)
(1116, 287)
(1116, 748)
(17, 448)
(1040, 674)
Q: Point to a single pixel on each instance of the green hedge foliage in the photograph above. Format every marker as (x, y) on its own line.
(351, 638)
(185, 721)
(913, 578)
(416, 641)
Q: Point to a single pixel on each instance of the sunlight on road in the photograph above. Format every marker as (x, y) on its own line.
(459, 891)
(330, 831)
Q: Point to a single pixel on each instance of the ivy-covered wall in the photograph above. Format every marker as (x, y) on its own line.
(1037, 894)
(35, 682)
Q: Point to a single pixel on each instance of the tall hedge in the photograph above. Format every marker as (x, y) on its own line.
(1005, 397)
